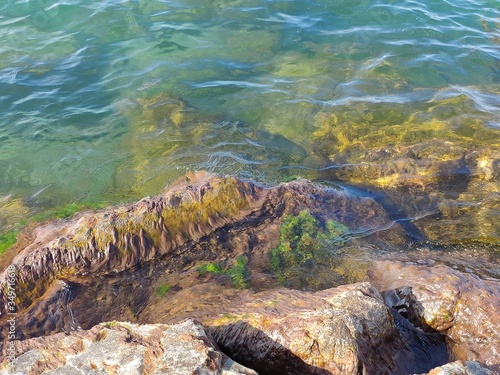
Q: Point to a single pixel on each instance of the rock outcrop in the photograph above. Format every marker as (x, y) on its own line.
(350, 329)
(460, 305)
(114, 261)
(344, 330)
(221, 250)
(124, 348)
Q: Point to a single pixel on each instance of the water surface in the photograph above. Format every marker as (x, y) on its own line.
(107, 101)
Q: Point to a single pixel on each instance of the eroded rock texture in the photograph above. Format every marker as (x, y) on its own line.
(344, 330)
(460, 305)
(125, 348)
(113, 261)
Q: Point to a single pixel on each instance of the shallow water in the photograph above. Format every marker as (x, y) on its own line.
(107, 101)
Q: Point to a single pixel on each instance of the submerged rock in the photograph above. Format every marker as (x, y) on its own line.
(113, 261)
(435, 164)
(460, 305)
(125, 348)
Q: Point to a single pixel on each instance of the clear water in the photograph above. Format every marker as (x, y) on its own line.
(77, 79)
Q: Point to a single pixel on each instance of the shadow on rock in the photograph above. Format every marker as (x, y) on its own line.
(266, 356)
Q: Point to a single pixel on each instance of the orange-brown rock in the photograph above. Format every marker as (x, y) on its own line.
(113, 261)
(343, 330)
(460, 305)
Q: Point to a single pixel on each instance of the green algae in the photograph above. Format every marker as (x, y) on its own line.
(67, 211)
(163, 290)
(7, 239)
(349, 132)
(237, 271)
(304, 240)
(213, 268)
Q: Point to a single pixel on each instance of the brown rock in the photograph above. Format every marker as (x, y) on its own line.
(344, 330)
(114, 260)
(461, 305)
(125, 348)
(462, 368)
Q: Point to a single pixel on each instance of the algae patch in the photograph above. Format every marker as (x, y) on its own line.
(7, 239)
(163, 290)
(237, 271)
(305, 241)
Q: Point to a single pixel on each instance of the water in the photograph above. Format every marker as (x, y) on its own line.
(107, 101)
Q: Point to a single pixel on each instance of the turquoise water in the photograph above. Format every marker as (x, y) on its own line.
(244, 80)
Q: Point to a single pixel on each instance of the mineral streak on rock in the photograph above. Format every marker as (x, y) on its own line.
(461, 305)
(189, 221)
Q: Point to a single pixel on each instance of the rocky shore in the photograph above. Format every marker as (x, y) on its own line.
(225, 276)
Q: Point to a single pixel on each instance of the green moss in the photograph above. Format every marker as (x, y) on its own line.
(303, 239)
(237, 272)
(163, 289)
(7, 239)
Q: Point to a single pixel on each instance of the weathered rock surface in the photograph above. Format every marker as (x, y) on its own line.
(462, 306)
(344, 330)
(462, 368)
(125, 348)
(114, 260)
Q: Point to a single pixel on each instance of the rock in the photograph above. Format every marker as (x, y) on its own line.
(460, 305)
(435, 164)
(462, 368)
(344, 330)
(125, 348)
(113, 261)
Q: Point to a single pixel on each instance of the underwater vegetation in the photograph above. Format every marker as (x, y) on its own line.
(349, 132)
(237, 271)
(304, 240)
(7, 239)
(162, 290)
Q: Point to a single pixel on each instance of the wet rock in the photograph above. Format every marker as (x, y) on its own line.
(450, 191)
(344, 330)
(433, 164)
(462, 368)
(115, 260)
(461, 305)
(124, 348)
